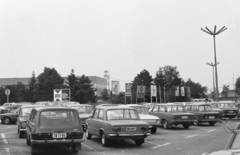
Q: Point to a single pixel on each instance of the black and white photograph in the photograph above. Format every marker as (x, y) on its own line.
(119, 77)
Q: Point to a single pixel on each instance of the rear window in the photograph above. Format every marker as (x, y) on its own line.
(122, 114)
(205, 108)
(58, 118)
(141, 110)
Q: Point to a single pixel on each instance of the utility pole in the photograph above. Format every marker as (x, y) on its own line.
(212, 65)
(214, 33)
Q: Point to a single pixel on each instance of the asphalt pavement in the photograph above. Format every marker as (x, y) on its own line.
(176, 141)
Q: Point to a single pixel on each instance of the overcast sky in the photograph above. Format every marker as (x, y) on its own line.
(123, 37)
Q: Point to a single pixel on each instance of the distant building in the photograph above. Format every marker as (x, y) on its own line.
(98, 83)
(229, 93)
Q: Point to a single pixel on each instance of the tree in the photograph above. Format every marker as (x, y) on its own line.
(197, 90)
(46, 83)
(84, 91)
(167, 77)
(225, 88)
(144, 79)
(32, 85)
(104, 94)
(72, 82)
(237, 86)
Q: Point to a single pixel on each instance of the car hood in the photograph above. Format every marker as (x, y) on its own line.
(146, 116)
(84, 115)
(217, 109)
(8, 114)
(210, 112)
(225, 152)
(127, 122)
(228, 108)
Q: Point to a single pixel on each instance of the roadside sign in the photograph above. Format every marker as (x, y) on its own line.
(176, 91)
(140, 91)
(182, 91)
(128, 89)
(7, 91)
(153, 90)
(61, 94)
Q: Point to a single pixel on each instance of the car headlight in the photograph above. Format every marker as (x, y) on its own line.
(24, 125)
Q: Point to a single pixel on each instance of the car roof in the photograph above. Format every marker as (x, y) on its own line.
(133, 105)
(114, 107)
(198, 103)
(30, 106)
(53, 108)
(166, 104)
(78, 105)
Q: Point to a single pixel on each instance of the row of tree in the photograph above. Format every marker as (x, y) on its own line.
(41, 88)
(167, 79)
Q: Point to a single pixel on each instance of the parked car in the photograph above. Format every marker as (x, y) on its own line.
(9, 117)
(85, 111)
(117, 123)
(18, 105)
(54, 126)
(105, 105)
(68, 103)
(229, 108)
(233, 145)
(203, 112)
(23, 114)
(143, 113)
(172, 114)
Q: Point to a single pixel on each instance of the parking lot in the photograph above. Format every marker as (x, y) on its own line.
(193, 141)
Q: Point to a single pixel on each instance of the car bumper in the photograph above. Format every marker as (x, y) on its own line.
(209, 120)
(23, 130)
(229, 115)
(129, 136)
(60, 141)
(187, 122)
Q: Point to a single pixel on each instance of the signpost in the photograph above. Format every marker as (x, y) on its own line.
(128, 91)
(153, 92)
(7, 92)
(61, 95)
(140, 92)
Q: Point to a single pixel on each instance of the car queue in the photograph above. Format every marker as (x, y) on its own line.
(57, 123)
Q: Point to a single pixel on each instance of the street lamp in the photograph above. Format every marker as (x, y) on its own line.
(212, 65)
(214, 33)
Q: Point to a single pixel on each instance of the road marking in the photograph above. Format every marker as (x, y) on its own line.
(160, 145)
(211, 130)
(89, 147)
(151, 142)
(5, 141)
(191, 136)
(7, 150)
(2, 135)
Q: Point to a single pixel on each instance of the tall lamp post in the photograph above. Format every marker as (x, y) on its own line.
(212, 65)
(214, 33)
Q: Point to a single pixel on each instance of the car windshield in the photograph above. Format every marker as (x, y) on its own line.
(205, 108)
(175, 108)
(122, 114)
(83, 109)
(26, 111)
(225, 105)
(214, 105)
(141, 110)
(58, 118)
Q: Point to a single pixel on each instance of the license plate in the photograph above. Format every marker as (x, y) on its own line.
(184, 117)
(131, 129)
(211, 117)
(59, 135)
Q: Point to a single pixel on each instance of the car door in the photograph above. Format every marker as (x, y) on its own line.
(31, 122)
(155, 111)
(92, 127)
(99, 121)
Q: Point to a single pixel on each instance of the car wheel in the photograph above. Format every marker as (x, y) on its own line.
(88, 135)
(74, 149)
(139, 142)
(165, 124)
(6, 120)
(153, 130)
(196, 122)
(185, 126)
(20, 135)
(104, 140)
(211, 123)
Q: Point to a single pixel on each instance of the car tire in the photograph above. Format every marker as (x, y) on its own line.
(185, 126)
(20, 134)
(74, 149)
(196, 122)
(211, 123)
(153, 130)
(165, 124)
(139, 142)
(104, 140)
(88, 135)
(6, 120)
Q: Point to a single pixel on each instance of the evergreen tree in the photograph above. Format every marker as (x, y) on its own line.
(32, 85)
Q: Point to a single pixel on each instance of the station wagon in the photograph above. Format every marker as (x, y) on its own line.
(172, 114)
(54, 126)
(117, 123)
